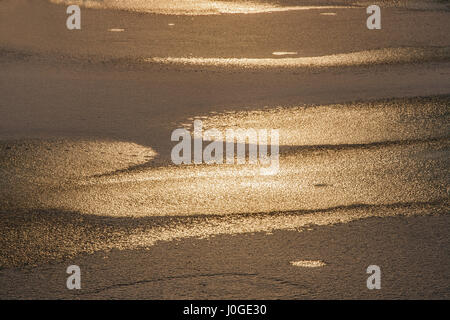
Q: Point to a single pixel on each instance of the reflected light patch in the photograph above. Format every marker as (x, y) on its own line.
(55, 160)
(368, 57)
(284, 53)
(338, 124)
(308, 263)
(191, 7)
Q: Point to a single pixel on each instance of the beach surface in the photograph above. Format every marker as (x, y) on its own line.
(86, 118)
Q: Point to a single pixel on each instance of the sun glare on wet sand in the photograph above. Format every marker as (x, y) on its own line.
(197, 149)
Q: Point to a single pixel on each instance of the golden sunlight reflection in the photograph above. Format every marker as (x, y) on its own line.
(325, 178)
(146, 234)
(368, 57)
(46, 161)
(321, 165)
(284, 53)
(337, 124)
(308, 263)
(191, 7)
(224, 149)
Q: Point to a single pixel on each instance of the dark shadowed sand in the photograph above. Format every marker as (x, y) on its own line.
(85, 124)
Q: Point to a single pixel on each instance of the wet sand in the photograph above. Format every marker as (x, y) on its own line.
(411, 252)
(41, 29)
(85, 128)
